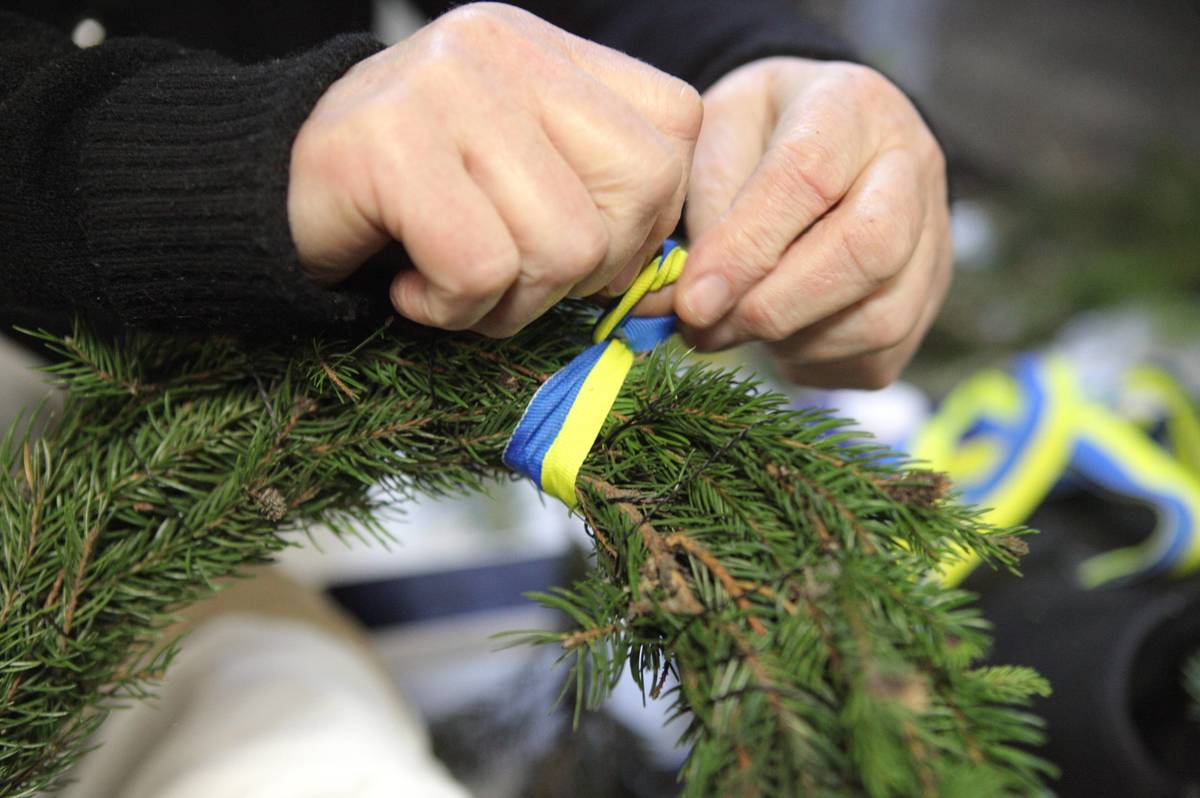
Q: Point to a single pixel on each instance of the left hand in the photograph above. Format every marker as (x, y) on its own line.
(818, 219)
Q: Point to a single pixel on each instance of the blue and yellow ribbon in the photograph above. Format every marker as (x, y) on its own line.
(1154, 385)
(1007, 439)
(564, 417)
(1004, 440)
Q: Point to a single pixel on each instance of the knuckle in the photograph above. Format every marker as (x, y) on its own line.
(686, 109)
(659, 175)
(762, 319)
(888, 328)
(745, 255)
(439, 67)
(437, 62)
(566, 259)
(571, 270)
(813, 169)
(648, 186)
(590, 243)
(487, 30)
(486, 276)
(877, 246)
(471, 20)
(867, 80)
(502, 11)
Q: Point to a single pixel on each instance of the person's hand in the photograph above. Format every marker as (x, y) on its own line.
(516, 164)
(818, 220)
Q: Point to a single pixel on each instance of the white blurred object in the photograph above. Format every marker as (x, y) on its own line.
(1103, 345)
(510, 523)
(89, 33)
(891, 414)
(259, 707)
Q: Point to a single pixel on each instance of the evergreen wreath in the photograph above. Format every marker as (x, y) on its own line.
(774, 565)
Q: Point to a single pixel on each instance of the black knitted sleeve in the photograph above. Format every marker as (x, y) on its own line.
(146, 184)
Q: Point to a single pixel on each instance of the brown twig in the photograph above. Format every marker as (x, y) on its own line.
(585, 636)
(666, 571)
(336, 380)
(89, 543)
(680, 540)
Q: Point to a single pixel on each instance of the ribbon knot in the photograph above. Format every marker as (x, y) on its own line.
(564, 417)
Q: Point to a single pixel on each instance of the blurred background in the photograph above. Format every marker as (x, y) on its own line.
(1073, 136)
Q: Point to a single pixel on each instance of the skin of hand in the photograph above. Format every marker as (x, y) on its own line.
(818, 220)
(515, 162)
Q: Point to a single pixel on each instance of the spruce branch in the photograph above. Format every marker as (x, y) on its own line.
(771, 564)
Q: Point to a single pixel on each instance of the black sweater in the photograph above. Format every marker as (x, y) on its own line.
(144, 181)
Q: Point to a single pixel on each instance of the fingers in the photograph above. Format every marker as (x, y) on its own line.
(627, 131)
(811, 162)
(674, 111)
(458, 278)
(879, 322)
(562, 240)
(870, 370)
(727, 153)
(868, 344)
(633, 174)
(855, 251)
(586, 199)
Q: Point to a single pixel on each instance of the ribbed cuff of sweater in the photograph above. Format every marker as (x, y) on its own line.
(183, 193)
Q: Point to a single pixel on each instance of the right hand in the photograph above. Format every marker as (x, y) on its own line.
(516, 164)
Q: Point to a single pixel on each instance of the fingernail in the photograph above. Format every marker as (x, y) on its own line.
(708, 299)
